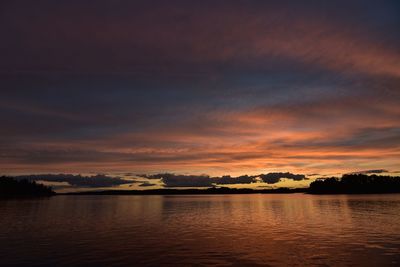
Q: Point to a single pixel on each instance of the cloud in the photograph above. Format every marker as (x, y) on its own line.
(146, 184)
(370, 171)
(272, 178)
(98, 180)
(147, 38)
(229, 87)
(174, 180)
(244, 179)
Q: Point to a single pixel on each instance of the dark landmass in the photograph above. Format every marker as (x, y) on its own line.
(356, 184)
(348, 184)
(10, 187)
(208, 191)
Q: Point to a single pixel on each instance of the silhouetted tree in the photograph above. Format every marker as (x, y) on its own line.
(356, 184)
(13, 188)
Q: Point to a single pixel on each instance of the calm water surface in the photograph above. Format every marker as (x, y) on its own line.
(219, 230)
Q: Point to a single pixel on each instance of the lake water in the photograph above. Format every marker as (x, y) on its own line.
(215, 230)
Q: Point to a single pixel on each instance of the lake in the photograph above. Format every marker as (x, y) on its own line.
(203, 230)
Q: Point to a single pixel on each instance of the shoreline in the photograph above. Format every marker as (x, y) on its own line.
(209, 191)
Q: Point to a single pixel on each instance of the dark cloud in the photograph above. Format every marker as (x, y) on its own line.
(370, 171)
(244, 179)
(146, 184)
(275, 177)
(174, 180)
(99, 180)
(140, 36)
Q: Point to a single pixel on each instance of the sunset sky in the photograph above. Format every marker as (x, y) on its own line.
(199, 87)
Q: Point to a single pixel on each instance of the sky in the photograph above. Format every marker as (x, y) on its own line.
(199, 87)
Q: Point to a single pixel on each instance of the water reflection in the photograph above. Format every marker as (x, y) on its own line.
(222, 230)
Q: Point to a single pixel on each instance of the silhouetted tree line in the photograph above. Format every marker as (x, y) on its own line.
(10, 187)
(356, 184)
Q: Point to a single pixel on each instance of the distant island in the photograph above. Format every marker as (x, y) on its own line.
(347, 184)
(10, 187)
